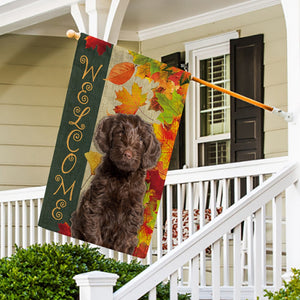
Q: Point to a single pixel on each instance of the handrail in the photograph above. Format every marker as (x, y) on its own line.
(23, 194)
(230, 170)
(240, 169)
(199, 241)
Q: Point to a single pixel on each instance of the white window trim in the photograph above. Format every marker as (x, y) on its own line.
(195, 50)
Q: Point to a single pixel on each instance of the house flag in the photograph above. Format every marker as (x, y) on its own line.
(115, 141)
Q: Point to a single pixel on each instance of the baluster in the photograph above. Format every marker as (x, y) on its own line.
(120, 257)
(225, 236)
(202, 200)
(277, 240)
(237, 268)
(215, 260)
(263, 240)
(64, 239)
(17, 223)
(194, 282)
(149, 254)
(152, 294)
(179, 228)
(48, 240)
(9, 229)
(169, 217)
(237, 189)
(2, 224)
(24, 224)
(191, 221)
(129, 258)
(190, 208)
(263, 246)
(249, 229)
(173, 286)
(55, 237)
(212, 200)
(159, 231)
(258, 288)
(111, 254)
(40, 230)
(32, 223)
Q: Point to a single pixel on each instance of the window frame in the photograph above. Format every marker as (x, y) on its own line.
(196, 51)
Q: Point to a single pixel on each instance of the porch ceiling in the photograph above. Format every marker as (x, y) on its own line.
(143, 19)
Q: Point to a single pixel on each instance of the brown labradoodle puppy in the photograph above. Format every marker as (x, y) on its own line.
(111, 209)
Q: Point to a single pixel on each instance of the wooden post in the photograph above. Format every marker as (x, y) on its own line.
(96, 285)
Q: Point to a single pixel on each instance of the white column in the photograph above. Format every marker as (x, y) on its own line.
(96, 285)
(98, 11)
(292, 17)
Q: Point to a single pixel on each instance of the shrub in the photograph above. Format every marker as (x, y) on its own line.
(290, 291)
(46, 272)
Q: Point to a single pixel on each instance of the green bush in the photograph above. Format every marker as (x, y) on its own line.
(46, 272)
(290, 291)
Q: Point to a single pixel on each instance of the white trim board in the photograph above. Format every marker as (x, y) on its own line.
(206, 18)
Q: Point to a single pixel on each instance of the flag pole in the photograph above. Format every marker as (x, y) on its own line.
(286, 115)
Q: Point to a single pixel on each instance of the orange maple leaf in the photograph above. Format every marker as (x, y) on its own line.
(130, 102)
(121, 73)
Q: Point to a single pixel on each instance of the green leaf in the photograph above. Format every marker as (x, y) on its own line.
(171, 108)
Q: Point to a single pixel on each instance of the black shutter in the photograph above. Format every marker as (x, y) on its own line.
(246, 78)
(178, 156)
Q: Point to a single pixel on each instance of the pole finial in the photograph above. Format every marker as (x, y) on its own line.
(73, 34)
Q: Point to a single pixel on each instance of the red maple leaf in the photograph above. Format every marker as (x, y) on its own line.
(94, 43)
(156, 182)
(176, 77)
(141, 250)
(64, 228)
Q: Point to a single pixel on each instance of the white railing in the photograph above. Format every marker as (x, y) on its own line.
(250, 206)
(187, 193)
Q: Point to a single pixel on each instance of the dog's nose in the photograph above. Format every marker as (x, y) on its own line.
(128, 154)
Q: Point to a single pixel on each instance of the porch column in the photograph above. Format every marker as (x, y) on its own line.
(292, 18)
(104, 19)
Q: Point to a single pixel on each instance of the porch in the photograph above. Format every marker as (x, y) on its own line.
(234, 255)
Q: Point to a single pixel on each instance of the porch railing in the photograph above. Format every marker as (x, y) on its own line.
(252, 205)
(192, 197)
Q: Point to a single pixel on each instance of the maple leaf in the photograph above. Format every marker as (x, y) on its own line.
(143, 71)
(141, 250)
(176, 76)
(139, 59)
(166, 134)
(94, 43)
(64, 228)
(121, 73)
(94, 159)
(171, 108)
(130, 102)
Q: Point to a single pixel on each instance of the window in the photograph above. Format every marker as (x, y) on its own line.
(208, 110)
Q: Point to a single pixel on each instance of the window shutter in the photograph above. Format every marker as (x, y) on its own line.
(246, 78)
(178, 156)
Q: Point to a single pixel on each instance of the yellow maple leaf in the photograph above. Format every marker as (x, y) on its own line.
(94, 159)
(130, 102)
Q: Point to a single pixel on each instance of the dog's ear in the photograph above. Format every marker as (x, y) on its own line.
(153, 148)
(103, 133)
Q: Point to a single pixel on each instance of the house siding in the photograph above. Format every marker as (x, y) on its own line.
(271, 23)
(34, 75)
(35, 72)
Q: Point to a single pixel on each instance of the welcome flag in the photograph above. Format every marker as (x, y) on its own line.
(107, 80)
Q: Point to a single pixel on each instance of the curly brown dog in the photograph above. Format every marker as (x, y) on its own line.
(111, 210)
